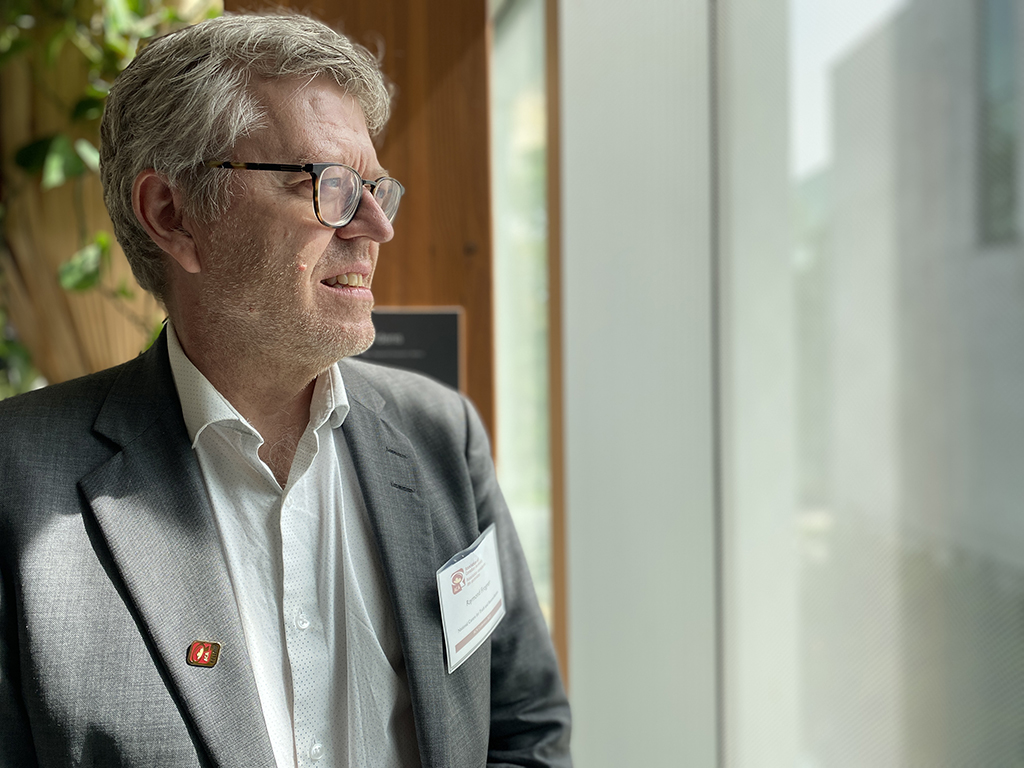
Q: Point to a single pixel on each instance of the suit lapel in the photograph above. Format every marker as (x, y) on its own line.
(151, 507)
(385, 464)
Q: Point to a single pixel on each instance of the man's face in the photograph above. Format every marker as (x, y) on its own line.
(273, 279)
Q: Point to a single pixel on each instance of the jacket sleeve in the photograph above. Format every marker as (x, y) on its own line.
(530, 719)
(16, 747)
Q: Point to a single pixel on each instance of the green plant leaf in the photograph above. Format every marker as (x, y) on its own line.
(15, 355)
(62, 163)
(87, 108)
(84, 269)
(16, 371)
(81, 271)
(98, 89)
(88, 47)
(17, 46)
(124, 291)
(55, 44)
(154, 334)
(117, 17)
(32, 156)
(115, 50)
(89, 154)
(171, 16)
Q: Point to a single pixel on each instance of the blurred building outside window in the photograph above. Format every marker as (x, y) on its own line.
(896, 635)
(999, 129)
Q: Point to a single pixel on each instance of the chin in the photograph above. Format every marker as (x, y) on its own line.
(354, 341)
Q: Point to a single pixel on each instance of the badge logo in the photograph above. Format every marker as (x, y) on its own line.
(203, 654)
(458, 581)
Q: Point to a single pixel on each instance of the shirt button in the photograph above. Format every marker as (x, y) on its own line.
(316, 751)
(301, 621)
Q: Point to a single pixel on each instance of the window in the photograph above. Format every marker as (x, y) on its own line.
(519, 173)
(997, 135)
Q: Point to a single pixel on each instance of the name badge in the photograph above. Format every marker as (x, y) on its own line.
(472, 597)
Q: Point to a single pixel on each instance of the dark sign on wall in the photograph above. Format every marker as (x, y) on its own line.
(426, 340)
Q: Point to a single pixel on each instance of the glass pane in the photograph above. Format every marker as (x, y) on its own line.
(997, 134)
(873, 364)
(339, 193)
(519, 157)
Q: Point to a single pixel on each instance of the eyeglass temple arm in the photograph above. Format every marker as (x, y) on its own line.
(233, 166)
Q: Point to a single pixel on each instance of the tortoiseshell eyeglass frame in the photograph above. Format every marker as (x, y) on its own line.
(315, 170)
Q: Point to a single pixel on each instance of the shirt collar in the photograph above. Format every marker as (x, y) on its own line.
(202, 405)
(330, 400)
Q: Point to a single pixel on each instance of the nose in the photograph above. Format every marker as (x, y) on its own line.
(369, 221)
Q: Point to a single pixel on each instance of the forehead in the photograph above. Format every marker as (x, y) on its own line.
(309, 121)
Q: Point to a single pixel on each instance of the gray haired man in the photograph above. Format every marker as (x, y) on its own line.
(237, 549)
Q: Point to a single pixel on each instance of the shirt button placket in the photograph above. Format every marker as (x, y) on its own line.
(316, 751)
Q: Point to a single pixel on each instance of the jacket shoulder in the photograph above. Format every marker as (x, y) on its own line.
(67, 404)
(402, 392)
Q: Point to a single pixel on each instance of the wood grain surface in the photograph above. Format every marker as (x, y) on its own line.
(435, 52)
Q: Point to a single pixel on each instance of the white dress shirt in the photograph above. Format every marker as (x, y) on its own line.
(308, 581)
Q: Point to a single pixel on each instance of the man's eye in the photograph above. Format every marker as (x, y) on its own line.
(295, 180)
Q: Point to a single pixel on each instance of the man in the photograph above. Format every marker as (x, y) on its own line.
(225, 552)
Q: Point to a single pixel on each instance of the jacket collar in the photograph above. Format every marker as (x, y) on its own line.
(388, 468)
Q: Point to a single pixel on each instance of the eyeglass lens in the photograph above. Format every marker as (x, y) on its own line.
(341, 189)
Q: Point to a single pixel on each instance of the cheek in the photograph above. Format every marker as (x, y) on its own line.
(235, 237)
(307, 247)
(290, 250)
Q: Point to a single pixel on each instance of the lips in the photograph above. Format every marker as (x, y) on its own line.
(352, 279)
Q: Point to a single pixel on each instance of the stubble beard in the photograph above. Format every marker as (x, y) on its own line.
(268, 327)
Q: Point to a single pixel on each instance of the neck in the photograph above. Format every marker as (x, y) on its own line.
(273, 397)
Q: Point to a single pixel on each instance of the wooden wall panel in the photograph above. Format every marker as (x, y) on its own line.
(436, 53)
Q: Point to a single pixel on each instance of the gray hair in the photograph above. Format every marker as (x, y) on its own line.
(188, 97)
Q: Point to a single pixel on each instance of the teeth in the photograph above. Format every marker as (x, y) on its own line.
(353, 278)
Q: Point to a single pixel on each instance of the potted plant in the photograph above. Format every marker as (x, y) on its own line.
(64, 283)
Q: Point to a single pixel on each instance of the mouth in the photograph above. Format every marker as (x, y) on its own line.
(351, 279)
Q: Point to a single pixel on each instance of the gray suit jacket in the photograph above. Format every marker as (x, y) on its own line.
(110, 567)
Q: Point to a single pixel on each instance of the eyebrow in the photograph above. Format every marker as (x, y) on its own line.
(376, 174)
(380, 173)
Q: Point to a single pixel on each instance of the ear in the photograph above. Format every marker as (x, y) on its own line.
(158, 209)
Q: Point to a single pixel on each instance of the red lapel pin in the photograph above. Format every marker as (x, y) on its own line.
(203, 654)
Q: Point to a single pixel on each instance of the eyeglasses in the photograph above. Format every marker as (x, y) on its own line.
(337, 189)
